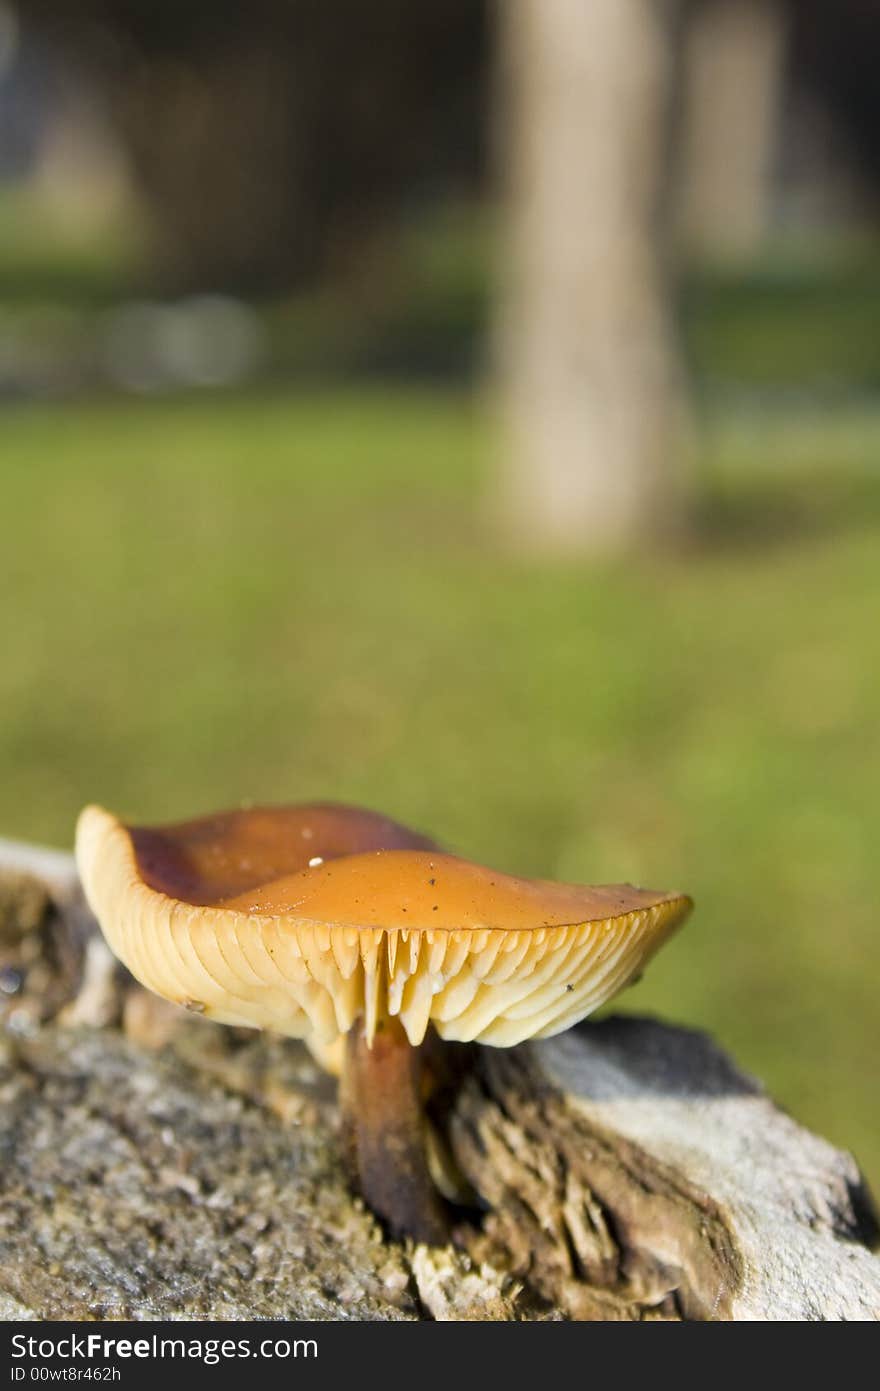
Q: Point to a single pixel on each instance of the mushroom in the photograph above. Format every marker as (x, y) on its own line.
(328, 922)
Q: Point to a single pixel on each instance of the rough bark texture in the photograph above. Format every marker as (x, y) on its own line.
(633, 1172)
(155, 1165)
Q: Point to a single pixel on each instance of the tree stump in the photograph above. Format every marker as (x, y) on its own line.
(156, 1166)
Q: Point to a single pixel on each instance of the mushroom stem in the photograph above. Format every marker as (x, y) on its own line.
(384, 1132)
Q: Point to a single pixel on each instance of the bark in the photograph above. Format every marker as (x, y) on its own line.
(588, 386)
(161, 1166)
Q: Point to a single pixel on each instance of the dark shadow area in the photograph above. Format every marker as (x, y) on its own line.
(638, 1055)
(761, 514)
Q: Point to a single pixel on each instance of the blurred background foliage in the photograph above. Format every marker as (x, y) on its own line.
(249, 258)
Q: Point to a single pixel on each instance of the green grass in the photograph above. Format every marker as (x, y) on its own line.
(803, 320)
(209, 600)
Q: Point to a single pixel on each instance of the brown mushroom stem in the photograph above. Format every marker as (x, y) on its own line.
(384, 1132)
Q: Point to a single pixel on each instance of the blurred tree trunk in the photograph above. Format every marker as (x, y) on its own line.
(588, 381)
(734, 64)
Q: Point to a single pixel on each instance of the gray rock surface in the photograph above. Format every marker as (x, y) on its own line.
(159, 1166)
(143, 1190)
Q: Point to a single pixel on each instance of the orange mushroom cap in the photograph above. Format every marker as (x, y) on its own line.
(300, 919)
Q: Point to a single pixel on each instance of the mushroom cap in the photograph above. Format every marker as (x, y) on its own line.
(300, 919)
